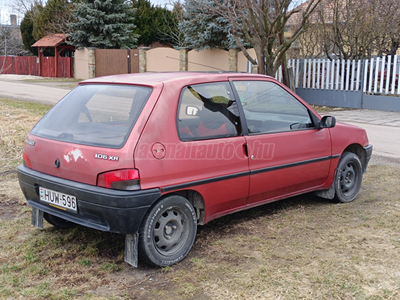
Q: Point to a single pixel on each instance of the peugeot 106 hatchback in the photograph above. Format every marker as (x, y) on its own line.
(152, 156)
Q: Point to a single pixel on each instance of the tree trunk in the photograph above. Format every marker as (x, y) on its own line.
(261, 61)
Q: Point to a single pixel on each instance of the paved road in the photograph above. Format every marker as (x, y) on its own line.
(386, 142)
(30, 91)
(383, 129)
(374, 117)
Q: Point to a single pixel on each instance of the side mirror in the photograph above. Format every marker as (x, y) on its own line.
(327, 122)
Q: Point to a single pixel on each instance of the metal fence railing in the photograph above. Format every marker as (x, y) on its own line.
(378, 75)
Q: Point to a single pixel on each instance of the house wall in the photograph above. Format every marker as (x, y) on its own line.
(162, 60)
(81, 64)
(208, 60)
(242, 60)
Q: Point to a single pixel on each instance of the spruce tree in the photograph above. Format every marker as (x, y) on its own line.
(102, 24)
(26, 29)
(205, 28)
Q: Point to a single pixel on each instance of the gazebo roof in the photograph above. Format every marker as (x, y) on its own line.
(51, 40)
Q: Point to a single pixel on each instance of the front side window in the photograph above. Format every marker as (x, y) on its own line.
(207, 111)
(270, 108)
(100, 115)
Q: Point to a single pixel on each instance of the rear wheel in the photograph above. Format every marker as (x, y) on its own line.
(58, 222)
(168, 231)
(348, 177)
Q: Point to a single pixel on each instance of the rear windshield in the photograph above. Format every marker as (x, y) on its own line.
(100, 115)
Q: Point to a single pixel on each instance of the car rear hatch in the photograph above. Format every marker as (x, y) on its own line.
(93, 130)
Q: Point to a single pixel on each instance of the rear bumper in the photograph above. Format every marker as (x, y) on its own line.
(98, 208)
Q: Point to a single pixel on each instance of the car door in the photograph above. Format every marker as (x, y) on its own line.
(287, 153)
(202, 149)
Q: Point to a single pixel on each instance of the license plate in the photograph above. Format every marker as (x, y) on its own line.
(59, 200)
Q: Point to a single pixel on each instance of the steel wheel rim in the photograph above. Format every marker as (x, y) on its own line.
(170, 231)
(348, 179)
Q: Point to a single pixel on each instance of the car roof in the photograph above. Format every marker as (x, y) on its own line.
(153, 79)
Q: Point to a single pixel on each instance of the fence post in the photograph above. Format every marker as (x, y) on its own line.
(233, 60)
(301, 73)
(91, 62)
(291, 78)
(183, 59)
(128, 60)
(363, 80)
(143, 59)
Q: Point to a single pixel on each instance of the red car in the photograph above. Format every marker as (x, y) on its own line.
(152, 156)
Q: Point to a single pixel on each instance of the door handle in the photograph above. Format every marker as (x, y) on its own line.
(246, 150)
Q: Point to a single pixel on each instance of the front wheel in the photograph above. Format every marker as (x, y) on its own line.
(348, 177)
(168, 231)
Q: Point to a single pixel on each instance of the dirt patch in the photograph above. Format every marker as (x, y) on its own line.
(12, 203)
(9, 209)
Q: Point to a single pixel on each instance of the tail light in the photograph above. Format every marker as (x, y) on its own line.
(27, 161)
(126, 179)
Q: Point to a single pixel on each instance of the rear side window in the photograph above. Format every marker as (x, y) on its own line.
(207, 111)
(95, 114)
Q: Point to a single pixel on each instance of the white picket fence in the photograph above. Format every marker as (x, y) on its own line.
(378, 75)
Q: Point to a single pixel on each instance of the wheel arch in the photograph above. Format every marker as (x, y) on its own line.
(360, 152)
(194, 197)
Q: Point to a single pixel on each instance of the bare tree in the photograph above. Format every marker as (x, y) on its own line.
(171, 32)
(353, 29)
(23, 6)
(262, 23)
(10, 41)
(389, 42)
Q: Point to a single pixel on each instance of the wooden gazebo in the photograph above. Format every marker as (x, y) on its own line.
(57, 66)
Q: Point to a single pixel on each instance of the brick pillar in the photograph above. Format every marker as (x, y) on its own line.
(183, 59)
(233, 60)
(143, 59)
(91, 62)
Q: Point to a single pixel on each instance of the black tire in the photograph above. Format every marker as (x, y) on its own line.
(168, 231)
(58, 222)
(348, 177)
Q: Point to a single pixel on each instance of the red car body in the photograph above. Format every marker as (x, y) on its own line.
(217, 175)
